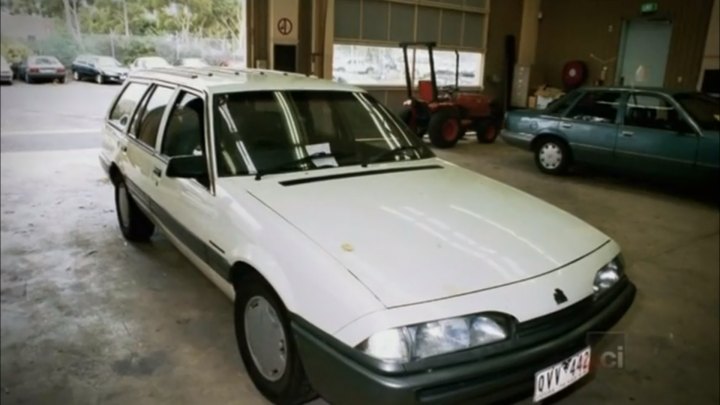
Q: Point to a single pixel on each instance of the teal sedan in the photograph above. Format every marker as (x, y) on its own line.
(647, 131)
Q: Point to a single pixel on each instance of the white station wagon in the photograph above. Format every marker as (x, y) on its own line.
(363, 268)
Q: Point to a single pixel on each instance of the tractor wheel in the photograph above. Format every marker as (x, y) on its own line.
(444, 128)
(486, 131)
(406, 115)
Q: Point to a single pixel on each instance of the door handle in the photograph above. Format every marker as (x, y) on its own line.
(627, 134)
(566, 125)
(157, 172)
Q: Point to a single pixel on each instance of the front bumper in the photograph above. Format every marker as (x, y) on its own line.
(343, 375)
(6, 76)
(519, 139)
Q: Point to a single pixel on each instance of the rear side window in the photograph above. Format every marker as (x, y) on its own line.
(596, 106)
(123, 109)
(185, 133)
(149, 116)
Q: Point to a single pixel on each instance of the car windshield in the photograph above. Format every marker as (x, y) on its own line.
(108, 62)
(253, 134)
(704, 110)
(44, 60)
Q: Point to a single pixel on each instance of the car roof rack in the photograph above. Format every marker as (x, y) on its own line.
(175, 71)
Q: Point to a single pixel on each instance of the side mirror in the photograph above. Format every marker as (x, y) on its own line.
(187, 166)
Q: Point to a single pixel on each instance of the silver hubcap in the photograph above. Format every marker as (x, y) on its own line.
(550, 156)
(98, 79)
(265, 338)
(123, 206)
(76, 76)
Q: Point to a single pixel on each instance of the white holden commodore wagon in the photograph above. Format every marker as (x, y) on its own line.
(363, 268)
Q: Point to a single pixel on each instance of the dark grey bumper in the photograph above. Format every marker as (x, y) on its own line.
(343, 375)
(519, 139)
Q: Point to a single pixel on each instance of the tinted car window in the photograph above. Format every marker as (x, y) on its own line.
(561, 104)
(184, 132)
(704, 110)
(122, 110)
(354, 128)
(149, 123)
(596, 106)
(651, 111)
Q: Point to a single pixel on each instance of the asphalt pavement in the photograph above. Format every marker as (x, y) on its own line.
(49, 116)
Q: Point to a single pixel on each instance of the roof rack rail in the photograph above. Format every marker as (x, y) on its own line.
(175, 71)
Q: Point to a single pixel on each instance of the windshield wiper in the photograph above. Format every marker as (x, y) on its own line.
(305, 159)
(390, 152)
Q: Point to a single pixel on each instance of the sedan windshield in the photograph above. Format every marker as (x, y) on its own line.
(703, 109)
(156, 62)
(254, 134)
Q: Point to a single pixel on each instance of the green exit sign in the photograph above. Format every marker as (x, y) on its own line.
(648, 8)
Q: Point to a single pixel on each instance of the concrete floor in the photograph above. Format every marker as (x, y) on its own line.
(88, 318)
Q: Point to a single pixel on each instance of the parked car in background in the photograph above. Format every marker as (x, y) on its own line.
(433, 284)
(193, 62)
(149, 62)
(6, 74)
(650, 131)
(101, 69)
(39, 68)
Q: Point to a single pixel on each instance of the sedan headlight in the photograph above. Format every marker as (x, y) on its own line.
(607, 276)
(437, 337)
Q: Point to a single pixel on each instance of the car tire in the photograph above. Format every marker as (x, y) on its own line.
(277, 374)
(99, 79)
(27, 78)
(486, 131)
(552, 156)
(134, 224)
(76, 76)
(444, 128)
(62, 80)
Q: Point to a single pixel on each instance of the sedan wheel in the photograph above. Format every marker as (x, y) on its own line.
(98, 79)
(265, 338)
(266, 344)
(552, 156)
(76, 76)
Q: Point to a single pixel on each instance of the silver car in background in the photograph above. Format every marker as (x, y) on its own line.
(6, 74)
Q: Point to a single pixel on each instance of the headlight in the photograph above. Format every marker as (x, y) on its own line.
(436, 337)
(610, 274)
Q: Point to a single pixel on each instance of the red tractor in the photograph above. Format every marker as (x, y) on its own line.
(446, 115)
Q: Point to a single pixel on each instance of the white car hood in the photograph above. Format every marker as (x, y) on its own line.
(422, 235)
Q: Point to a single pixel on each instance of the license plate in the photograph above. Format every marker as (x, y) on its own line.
(47, 70)
(553, 379)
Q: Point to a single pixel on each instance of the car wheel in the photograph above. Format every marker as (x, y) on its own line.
(134, 224)
(486, 131)
(267, 345)
(76, 76)
(27, 78)
(62, 80)
(444, 128)
(552, 156)
(99, 79)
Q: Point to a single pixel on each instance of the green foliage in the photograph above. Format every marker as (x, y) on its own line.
(14, 51)
(135, 49)
(62, 46)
